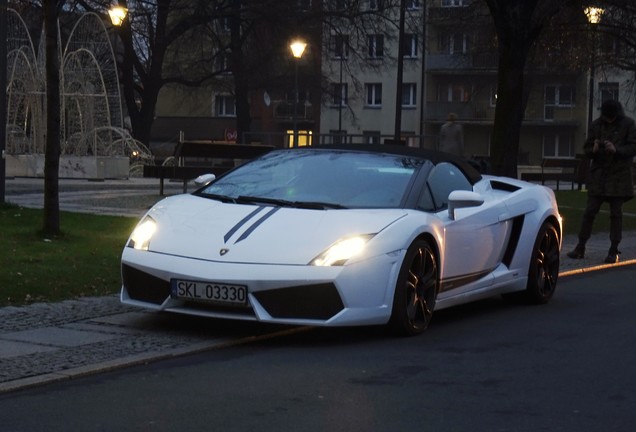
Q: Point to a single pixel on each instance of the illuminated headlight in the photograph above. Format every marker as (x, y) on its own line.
(142, 234)
(342, 251)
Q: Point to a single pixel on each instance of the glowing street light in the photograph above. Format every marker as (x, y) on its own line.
(117, 15)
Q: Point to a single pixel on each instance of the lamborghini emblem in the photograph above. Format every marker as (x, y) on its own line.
(223, 251)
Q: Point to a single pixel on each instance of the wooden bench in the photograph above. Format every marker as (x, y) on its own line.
(194, 158)
(572, 170)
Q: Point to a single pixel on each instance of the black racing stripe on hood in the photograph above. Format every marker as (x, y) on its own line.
(242, 222)
(256, 224)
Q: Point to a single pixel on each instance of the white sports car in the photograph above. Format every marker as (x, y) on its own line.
(344, 235)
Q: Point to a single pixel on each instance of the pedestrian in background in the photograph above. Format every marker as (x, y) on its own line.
(610, 146)
(451, 139)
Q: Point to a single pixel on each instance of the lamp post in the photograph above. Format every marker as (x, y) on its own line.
(297, 48)
(593, 15)
(3, 95)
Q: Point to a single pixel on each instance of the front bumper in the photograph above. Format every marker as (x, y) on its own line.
(358, 294)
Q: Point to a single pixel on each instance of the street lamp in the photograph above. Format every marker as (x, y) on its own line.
(593, 15)
(117, 15)
(297, 48)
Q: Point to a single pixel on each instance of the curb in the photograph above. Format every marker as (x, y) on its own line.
(135, 360)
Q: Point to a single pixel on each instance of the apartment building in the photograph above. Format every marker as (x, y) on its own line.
(449, 66)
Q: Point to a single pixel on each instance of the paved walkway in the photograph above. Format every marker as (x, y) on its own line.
(47, 342)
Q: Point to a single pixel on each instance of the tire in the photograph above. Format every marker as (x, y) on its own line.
(416, 290)
(543, 271)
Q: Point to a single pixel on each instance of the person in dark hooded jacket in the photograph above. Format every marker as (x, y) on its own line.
(611, 147)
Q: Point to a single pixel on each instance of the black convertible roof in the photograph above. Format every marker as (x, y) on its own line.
(434, 156)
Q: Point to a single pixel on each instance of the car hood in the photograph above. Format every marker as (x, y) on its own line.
(202, 228)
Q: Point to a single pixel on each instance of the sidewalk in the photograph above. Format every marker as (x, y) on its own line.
(47, 342)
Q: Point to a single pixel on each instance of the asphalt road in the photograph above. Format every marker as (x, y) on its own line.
(489, 366)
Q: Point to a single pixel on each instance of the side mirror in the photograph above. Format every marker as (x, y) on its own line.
(461, 199)
(204, 179)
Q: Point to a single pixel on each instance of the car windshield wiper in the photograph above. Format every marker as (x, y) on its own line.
(314, 205)
(222, 198)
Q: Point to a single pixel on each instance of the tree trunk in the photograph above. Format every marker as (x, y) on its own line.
(51, 224)
(241, 80)
(511, 102)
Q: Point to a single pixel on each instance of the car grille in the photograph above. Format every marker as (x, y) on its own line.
(144, 287)
(320, 301)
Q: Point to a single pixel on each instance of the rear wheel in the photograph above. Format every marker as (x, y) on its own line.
(544, 265)
(416, 290)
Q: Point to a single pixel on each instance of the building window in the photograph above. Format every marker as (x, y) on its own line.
(374, 94)
(340, 94)
(371, 137)
(453, 43)
(376, 45)
(453, 3)
(607, 91)
(222, 62)
(560, 95)
(409, 95)
(412, 4)
(454, 93)
(225, 106)
(410, 45)
(558, 145)
(340, 46)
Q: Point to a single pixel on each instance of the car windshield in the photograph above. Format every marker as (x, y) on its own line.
(318, 178)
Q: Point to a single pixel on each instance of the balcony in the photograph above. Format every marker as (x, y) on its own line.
(480, 112)
(461, 62)
(284, 110)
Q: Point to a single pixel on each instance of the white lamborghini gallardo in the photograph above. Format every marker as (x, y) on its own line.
(344, 235)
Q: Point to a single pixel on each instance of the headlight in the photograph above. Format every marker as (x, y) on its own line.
(143, 232)
(342, 251)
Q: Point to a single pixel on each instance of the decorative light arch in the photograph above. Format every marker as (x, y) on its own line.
(91, 110)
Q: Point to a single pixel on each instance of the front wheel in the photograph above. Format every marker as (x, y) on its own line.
(544, 266)
(416, 290)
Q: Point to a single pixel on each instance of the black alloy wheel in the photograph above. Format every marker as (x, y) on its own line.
(543, 272)
(416, 290)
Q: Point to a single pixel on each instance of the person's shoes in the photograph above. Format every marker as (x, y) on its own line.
(577, 253)
(612, 257)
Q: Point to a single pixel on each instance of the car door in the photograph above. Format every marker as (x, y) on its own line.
(474, 240)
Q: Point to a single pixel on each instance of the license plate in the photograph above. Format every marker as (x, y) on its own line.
(209, 291)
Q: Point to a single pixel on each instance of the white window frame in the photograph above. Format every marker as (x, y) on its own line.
(340, 46)
(341, 92)
(559, 89)
(410, 45)
(448, 93)
(558, 138)
(409, 95)
(221, 102)
(373, 95)
(412, 4)
(371, 137)
(375, 46)
(453, 3)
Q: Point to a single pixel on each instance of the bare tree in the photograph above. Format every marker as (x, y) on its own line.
(51, 224)
(518, 24)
